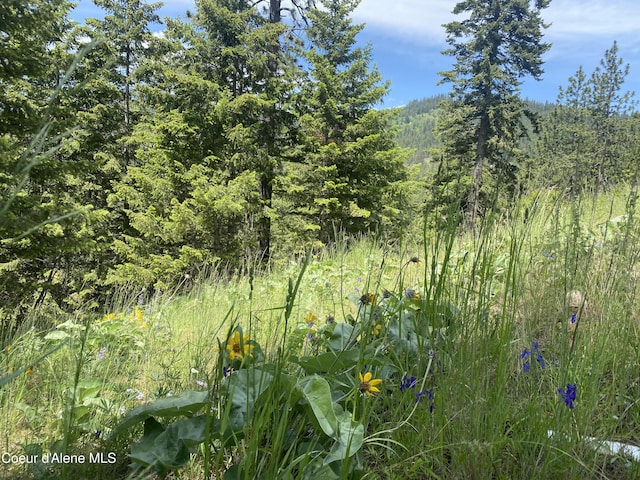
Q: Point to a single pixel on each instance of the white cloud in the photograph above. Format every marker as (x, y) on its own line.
(416, 20)
(421, 21)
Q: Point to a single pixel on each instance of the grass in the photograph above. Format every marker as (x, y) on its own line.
(472, 344)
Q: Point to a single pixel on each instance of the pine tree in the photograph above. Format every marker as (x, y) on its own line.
(352, 172)
(494, 48)
(216, 126)
(586, 140)
(32, 191)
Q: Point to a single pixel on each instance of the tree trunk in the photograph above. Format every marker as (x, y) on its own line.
(473, 199)
(266, 179)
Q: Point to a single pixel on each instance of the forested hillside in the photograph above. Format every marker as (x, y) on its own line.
(416, 123)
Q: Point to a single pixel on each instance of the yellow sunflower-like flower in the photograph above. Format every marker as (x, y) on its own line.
(375, 330)
(237, 347)
(310, 319)
(368, 385)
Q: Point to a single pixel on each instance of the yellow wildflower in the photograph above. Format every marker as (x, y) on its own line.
(237, 347)
(376, 329)
(368, 385)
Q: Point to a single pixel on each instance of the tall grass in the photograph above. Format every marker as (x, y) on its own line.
(471, 336)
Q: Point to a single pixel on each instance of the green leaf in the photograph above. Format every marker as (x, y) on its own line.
(330, 362)
(187, 403)
(350, 439)
(56, 335)
(245, 387)
(317, 392)
(342, 336)
(170, 447)
(316, 470)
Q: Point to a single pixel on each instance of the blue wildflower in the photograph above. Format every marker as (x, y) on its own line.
(525, 354)
(574, 317)
(540, 360)
(526, 367)
(407, 383)
(535, 346)
(429, 396)
(569, 395)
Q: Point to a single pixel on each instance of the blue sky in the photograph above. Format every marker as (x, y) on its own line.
(407, 37)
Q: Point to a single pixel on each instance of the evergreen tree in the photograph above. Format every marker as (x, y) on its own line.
(217, 123)
(32, 179)
(494, 48)
(353, 171)
(585, 141)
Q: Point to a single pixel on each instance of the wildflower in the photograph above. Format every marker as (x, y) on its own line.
(540, 360)
(574, 317)
(375, 330)
(7, 349)
(202, 383)
(569, 395)
(526, 366)
(30, 370)
(330, 320)
(136, 316)
(368, 385)
(368, 299)
(428, 394)
(238, 347)
(102, 354)
(310, 319)
(226, 371)
(108, 317)
(411, 294)
(407, 383)
(386, 293)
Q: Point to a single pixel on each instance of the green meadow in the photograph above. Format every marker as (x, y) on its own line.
(444, 354)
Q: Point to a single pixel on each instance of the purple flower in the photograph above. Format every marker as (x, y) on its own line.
(428, 394)
(525, 354)
(526, 367)
(569, 395)
(574, 317)
(407, 383)
(540, 360)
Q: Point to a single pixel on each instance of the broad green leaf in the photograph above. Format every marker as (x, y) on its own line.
(317, 392)
(330, 362)
(342, 336)
(244, 387)
(187, 403)
(170, 447)
(56, 335)
(350, 439)
(317, 470)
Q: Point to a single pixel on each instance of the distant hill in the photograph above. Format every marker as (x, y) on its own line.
(417, 119)
(415, 123)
